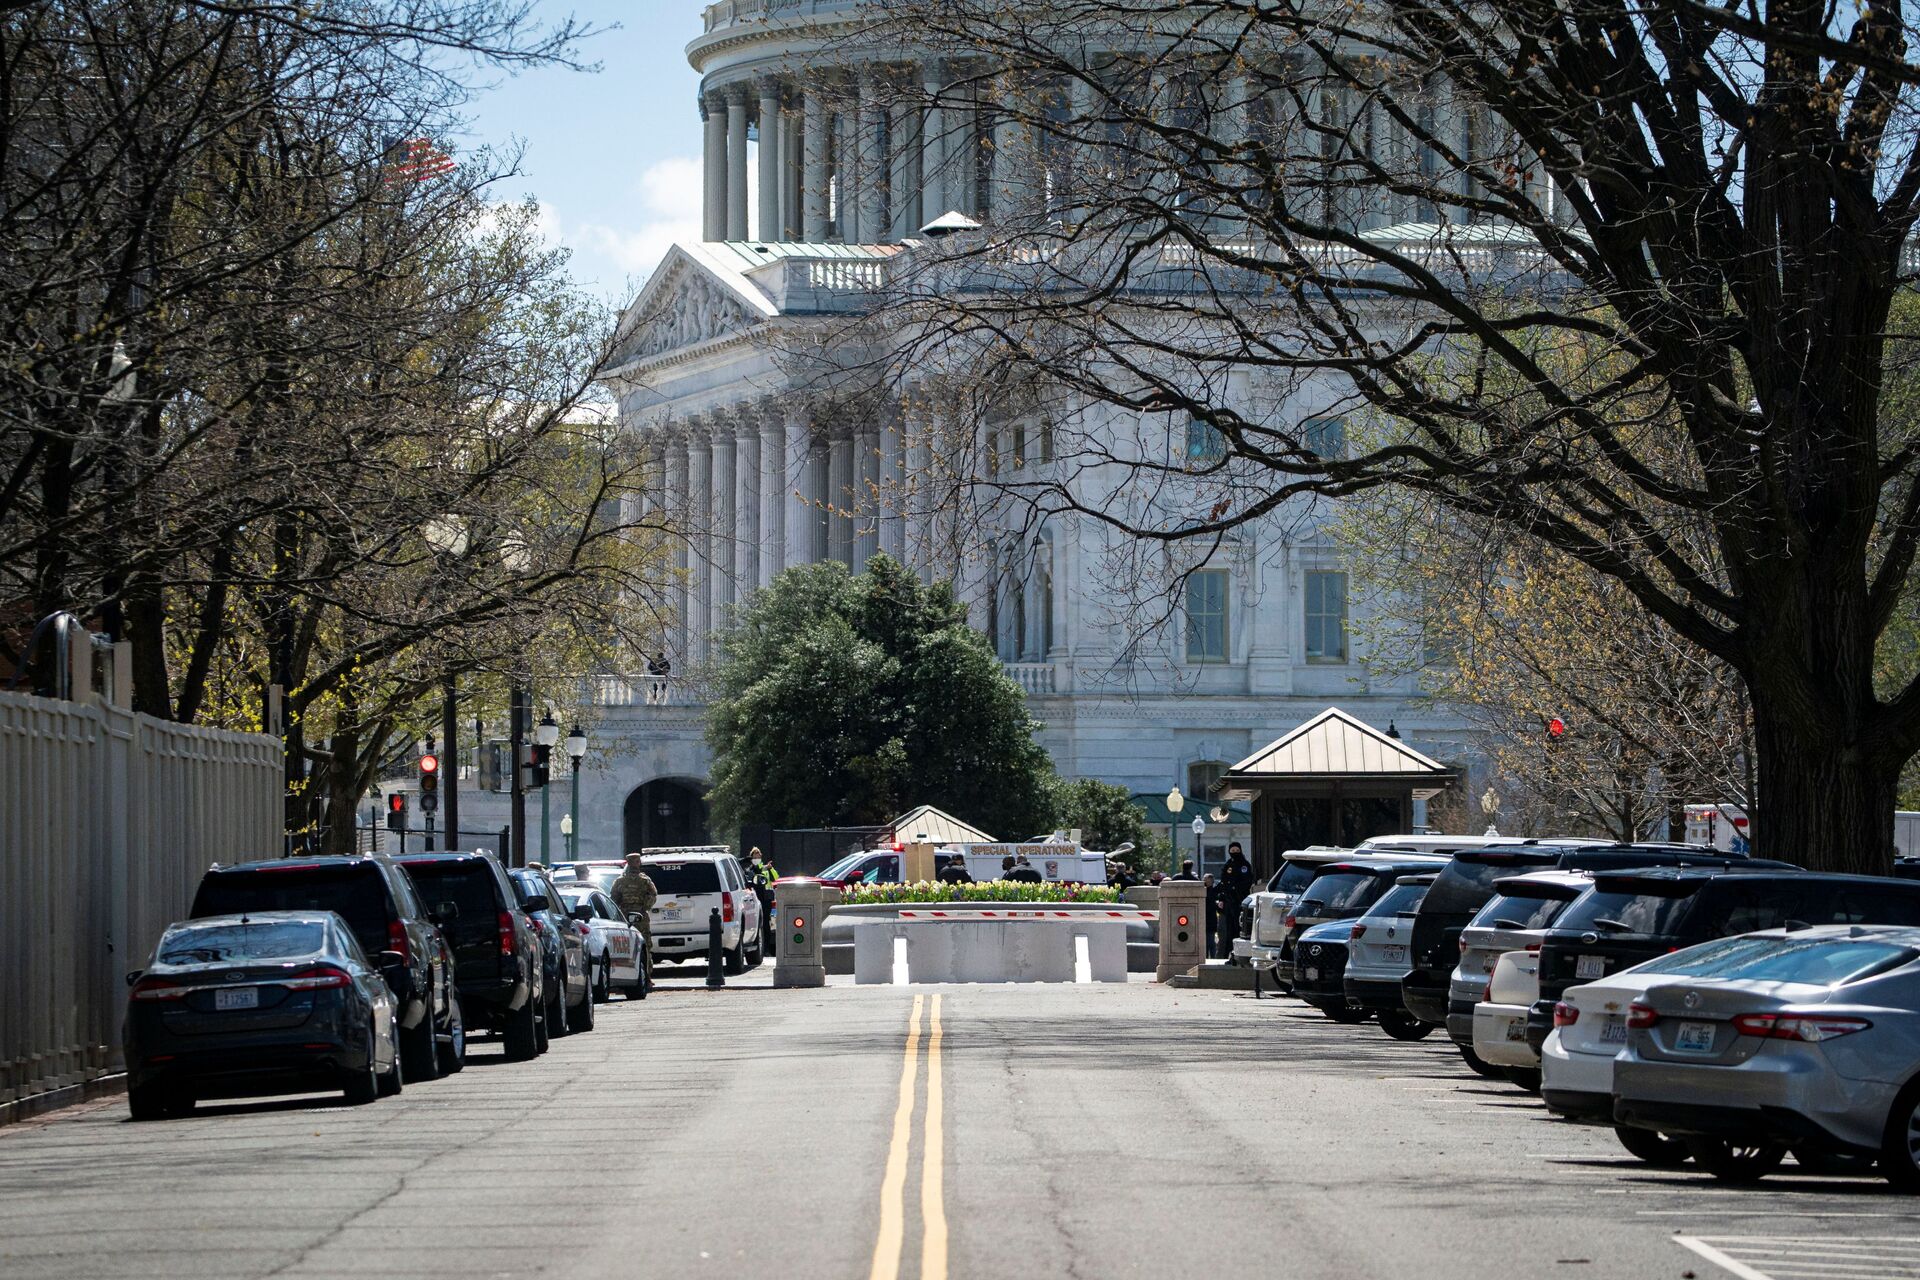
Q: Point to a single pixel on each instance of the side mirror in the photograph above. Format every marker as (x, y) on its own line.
(582, 912)
(538, 902)
(390, 961)
(446, 911)
(134, 975)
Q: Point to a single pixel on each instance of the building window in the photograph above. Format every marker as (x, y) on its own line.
(1019, 446)
(1202, 777)
(1045, 447)
(1326, 617)
(1326, 437)
(1207, 616)
(1204, 441)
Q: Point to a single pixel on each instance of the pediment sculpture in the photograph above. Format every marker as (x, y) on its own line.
(688, 310)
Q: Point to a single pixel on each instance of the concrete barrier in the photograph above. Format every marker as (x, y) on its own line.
(990, 946)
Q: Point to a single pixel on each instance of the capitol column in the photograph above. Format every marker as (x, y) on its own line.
(726, 530)
(918, 490)
(773, 492)
(676, 503)
(903, 179)
(770, 153)
(864, 509)
(814, 181)
(798, 517)
(737, 163)
(699, 529)
(893, 489)
(746, 502)
(840, 475)
(714, 221)
(873, 160)
(933, 144)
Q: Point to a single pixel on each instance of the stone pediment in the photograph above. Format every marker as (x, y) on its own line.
(687, 302)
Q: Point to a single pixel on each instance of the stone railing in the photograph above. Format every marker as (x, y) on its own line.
(733, 12)
(1034, 677)
(644, 691)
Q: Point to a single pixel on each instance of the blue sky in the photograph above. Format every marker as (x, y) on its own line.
(612, 156)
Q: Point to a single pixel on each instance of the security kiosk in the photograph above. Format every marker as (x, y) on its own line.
(1183, 927)
(799, 911)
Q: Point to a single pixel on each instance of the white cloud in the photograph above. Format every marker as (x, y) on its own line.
(667, 206)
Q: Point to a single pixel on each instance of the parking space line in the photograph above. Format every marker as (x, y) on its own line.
(1719, 1259)
(893, 1184)
(1771, 1257)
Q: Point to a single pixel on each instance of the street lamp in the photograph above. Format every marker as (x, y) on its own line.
(1199, 829)
(570, 825)
(1175, 803)
(546, 733)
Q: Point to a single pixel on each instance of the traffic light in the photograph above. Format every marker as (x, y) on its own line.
(397, 811)
(429, 782)
(540, 770)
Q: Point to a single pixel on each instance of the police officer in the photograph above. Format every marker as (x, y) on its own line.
(760, 878)
(635, 893)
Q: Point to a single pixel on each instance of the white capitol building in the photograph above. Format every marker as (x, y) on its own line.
(817, 181)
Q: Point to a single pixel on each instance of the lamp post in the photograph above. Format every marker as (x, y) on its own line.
(1199, 829)
(546, 733)
(566, 833)
(1175, 803)
(576, 748)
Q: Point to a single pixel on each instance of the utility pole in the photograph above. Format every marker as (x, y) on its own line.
(518, 701)
(450, 763)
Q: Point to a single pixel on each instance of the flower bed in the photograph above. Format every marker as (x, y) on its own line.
(990, 891)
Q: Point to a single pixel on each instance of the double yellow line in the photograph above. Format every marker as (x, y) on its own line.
(893, 1184)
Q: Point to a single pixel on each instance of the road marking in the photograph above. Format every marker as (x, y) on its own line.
(893, 1185)
(933, 1209)
(1860, 1258)
(1719, 1259)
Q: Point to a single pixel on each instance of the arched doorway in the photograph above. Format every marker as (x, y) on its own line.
(665, 812)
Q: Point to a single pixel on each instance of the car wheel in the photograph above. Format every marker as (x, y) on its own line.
(755, 953)
(1833, 1163)
(1655, 1148)
(419, 1048)
(580, 1018)
(392, 1082)
(364, 1085)
(1344, 1014)
(523, 1033)
(1478, 1065)
(152, 1102)
(1900, 1148)
(1731, 1162)
(641, 989)
(603, 982)
(1402, 1025)
(733, 962)
(453, 1053)
(556, 1019)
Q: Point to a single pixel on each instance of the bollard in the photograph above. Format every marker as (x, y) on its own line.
(1183, 928)
(714, 958)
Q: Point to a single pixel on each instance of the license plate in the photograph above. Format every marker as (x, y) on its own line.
(1516, 1028)
(1393, 955)
(237, 998)
(1312, 975)
(1613, 1031)
(1694, 1037)
(671, 913)
(1488, 963)
(1590, 967)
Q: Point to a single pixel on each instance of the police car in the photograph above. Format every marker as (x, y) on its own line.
(616, 951)
(693, 884)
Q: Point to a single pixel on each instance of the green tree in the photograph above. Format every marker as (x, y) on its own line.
(1105, 814)
(842, 699)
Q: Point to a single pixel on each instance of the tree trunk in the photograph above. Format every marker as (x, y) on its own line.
(1823, 801)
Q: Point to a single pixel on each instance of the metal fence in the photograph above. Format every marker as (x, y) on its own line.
(107, 819)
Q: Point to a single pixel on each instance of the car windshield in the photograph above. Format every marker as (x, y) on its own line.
(1464, 885)
(1625, 911)
(839, 870)
(684, 877)
(1342, 891)
(1292, 877)
(574, 896)
(1825, 962)
(355, 891)
(467, 885)
(1515, 912)
(262, 940)
(1401, 900)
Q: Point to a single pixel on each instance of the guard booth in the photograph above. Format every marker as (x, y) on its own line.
(1335, 780)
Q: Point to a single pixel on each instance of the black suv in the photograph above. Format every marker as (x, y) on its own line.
(1466, 885)
(1631, 916)
(496, 953)
(1342, 891)
(373, 895)
(563, 946)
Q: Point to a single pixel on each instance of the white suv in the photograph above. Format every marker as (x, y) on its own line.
(1265, 911)
(694, 883)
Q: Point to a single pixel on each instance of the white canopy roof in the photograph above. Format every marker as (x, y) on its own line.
(1335, 745)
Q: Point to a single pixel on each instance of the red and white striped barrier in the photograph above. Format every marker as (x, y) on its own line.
(1029, 915)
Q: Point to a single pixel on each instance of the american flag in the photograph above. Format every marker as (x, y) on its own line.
(416, 160)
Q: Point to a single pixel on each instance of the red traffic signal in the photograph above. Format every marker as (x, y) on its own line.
(1556, 727)
(397, 802)
(429, 775)
(429, 764)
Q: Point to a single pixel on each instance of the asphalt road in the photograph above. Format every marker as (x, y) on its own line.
(1091, 1131)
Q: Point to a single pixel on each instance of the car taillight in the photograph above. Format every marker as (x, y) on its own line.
(316, 979)
(726, 908)
(1641, 1015)
(1808, 1027)
(1357, 932)
(1565, 1015)
(1290, 921)
(1463, 946)
(1534, 950)
(506, 934)
(397, 939)
(157, 989)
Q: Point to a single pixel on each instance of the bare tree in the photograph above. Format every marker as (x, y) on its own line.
(1455, 210)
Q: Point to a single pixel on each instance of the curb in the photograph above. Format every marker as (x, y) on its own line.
(54, 1099)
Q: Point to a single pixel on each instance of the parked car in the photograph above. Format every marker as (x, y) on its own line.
(616, 950)
(1499, 969)
(1466, 885)
(234, 1006)
(377, 900)
(1803, 1039)
(1634, 916)
(692, 886)
(1500, 1019)
(1319, 975)
(1263, 916)
(599, 872)
(496, 952)
(567, 986)
(1378, 956)
(1344, 890)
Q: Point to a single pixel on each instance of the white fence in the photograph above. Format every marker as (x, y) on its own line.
(107, 819)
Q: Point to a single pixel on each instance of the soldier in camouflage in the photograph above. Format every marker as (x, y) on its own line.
(635, 893)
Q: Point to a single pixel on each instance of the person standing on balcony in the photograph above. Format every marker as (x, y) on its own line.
(658, 669)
